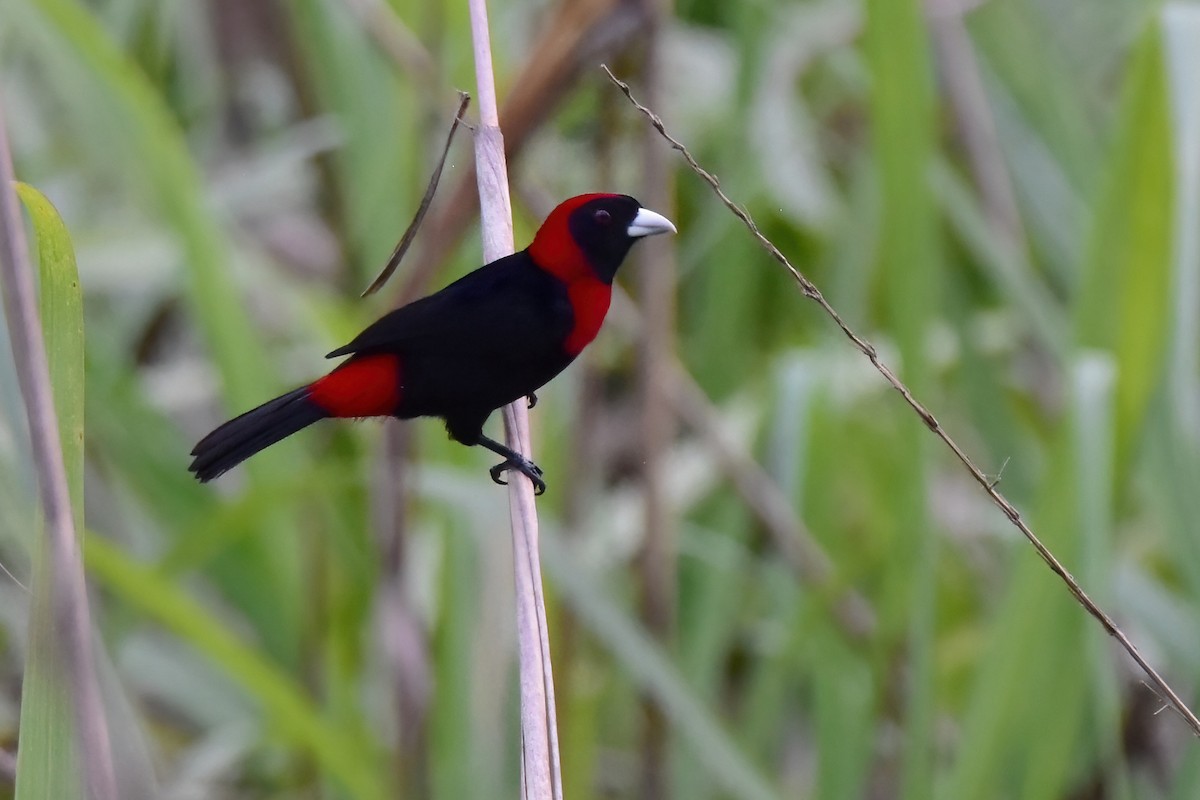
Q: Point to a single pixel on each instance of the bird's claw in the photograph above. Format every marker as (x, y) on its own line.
(531, 398)
(525, 467)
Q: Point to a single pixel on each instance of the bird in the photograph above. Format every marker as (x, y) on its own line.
(498, 334)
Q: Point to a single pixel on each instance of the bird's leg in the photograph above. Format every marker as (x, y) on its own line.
(531, 398)
(513, 460)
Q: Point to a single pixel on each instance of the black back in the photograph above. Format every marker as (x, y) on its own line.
(487, 339)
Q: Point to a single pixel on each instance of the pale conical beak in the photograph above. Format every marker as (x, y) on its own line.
(647, 223)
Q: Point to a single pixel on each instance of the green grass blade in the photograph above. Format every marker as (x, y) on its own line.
(453, 772)
(1126, 284)
(47, 763)
(903, 141)
(61, 311)
(654, 673)
(844, 698)
(1093, 442)
(293, 716)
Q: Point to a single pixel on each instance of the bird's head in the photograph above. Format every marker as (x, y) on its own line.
(592, 233)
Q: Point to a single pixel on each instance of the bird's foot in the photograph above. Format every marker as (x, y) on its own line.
(531, 398)
(525, 467)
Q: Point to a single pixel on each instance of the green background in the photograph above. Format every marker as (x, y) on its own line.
(1003, 197)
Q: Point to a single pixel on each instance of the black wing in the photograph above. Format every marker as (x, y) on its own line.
(507, 303)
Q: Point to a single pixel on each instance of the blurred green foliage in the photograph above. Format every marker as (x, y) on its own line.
(1003, 198)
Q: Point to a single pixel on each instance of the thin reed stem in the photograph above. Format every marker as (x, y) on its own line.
(540, 771)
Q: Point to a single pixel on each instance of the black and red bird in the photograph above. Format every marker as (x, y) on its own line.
(495, 335)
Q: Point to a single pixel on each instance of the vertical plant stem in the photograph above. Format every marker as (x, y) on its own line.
(657, 289)
(540, 771)
(69, 590)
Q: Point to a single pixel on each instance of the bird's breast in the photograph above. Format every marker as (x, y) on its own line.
(589, 300)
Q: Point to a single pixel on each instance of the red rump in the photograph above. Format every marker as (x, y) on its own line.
(364, 386)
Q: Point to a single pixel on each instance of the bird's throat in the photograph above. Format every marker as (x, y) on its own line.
(589, 301)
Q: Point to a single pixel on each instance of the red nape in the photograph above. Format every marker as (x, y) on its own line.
(364, 386)
(555, 250)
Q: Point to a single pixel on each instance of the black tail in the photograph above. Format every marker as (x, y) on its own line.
(242, 437)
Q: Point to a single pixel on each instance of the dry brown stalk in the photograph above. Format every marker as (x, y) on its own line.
(657, 573)
(540, 771)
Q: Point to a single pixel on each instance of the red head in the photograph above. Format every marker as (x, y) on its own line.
(590, 235)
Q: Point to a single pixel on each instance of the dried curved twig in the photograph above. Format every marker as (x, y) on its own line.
(410, 233)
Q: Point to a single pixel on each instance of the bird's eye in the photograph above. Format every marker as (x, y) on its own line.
(602, 217)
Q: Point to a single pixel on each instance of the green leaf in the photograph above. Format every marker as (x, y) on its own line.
(61, 311)
(47, 759)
